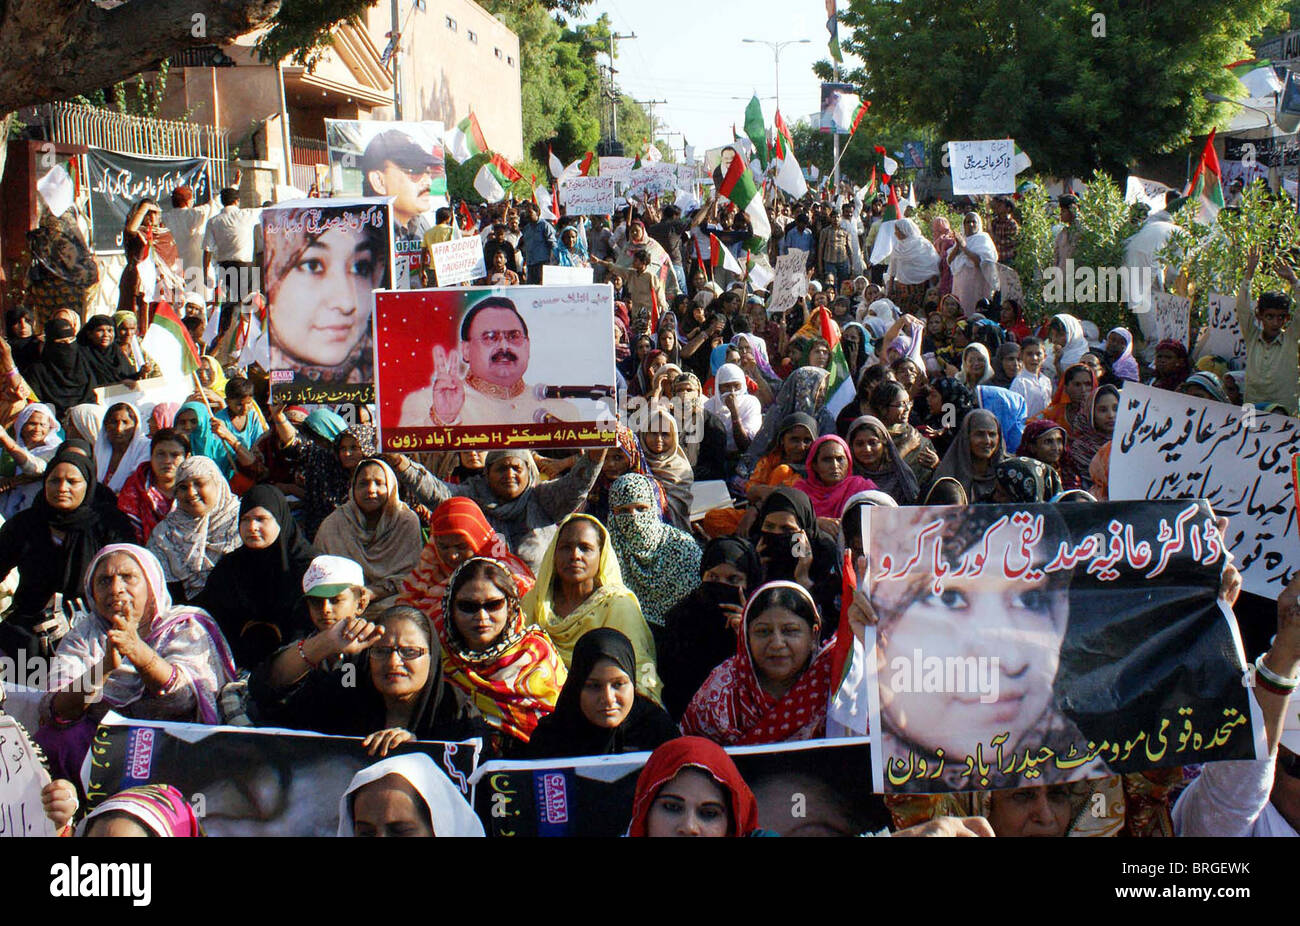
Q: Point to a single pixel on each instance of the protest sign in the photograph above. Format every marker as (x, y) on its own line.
(1224, 337)
(555, 275)
(148, 393)
(834, 118)
(593, 795)
(1009, 284)
(1173, 318)
(118, 181)
(403, 160)
(21, 779)
(323, 261)
(707, 495)
(1169, 445)
(982, 166)
(297, 776)
(587, 195)
(652, 180)
(616, 168)
(524, 366)
(1151, 192)
(791, 280)
(459, 260)
(1042, 644)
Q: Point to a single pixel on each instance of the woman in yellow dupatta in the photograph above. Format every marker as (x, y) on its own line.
(580, 588)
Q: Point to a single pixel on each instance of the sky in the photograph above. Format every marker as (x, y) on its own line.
(689, 52)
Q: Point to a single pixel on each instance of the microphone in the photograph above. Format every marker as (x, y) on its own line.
(573, 392)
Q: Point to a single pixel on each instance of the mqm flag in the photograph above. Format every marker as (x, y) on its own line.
(891, 166)
(1019, 161)
(720, 256)
(857, 117)
(734, 182)
(494, 177)
(833, 27)
(579, 168)
(821, 325)
(1257, 75)
(756, 130)
(466, 140)
(783, 143)
(1207, 183)
(789, 178)
(469, 225)
(554, 163)
(168, 342)
(884, 245)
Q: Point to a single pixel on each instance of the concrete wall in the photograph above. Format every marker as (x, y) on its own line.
(445, 74)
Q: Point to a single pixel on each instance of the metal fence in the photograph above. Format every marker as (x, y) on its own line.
(76, 124)
(307, 153)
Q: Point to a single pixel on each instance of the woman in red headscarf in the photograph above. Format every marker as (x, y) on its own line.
(690, 787)
(457, 532)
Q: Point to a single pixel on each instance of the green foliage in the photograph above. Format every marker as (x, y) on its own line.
(1036, 214)
(1078, 92)
(132, 97)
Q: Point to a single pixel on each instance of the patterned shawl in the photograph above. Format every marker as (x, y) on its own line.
(188, 547)
(660, 564)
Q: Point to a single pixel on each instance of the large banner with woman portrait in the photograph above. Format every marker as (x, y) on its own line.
(322, 262)
(485, 369)
(1024, 645)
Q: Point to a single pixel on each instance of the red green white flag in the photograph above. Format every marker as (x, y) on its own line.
(169, 343)
(1207, 183)
(735, 182)
(466, 140)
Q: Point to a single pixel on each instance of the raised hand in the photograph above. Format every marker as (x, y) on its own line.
(449, 371)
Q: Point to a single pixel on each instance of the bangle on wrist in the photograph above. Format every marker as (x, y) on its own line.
(305, 658)
(1269, 680)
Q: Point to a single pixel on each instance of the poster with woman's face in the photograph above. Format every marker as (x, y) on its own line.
(1022, 645)
(321, 266)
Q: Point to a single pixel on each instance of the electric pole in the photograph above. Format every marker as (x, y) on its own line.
(613, 87)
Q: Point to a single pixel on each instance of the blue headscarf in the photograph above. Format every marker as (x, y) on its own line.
(325, 423)
(1010, 410)
(206, 444)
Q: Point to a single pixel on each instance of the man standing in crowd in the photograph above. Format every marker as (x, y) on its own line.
(537, 241)
(228, 241)
(1004, 229)
(835, 251)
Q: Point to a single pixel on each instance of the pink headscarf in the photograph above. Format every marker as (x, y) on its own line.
(829, 501)
(164, 415)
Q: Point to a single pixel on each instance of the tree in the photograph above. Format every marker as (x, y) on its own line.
(1080, 86)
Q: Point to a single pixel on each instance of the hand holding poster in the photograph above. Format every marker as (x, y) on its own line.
(21, 779)
(525, 366)
(587, 195)
(1224, 337)
(1169, 445)
(982, 166)
(1041, 644)
(459, 260)
(791, 281)
(323, 261)
(1173, 317)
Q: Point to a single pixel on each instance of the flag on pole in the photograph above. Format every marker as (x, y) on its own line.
(1019, 161)
(720, 256)
(1207, 183)
(789, 178)
(833, 27)
(755, 129)
(1257, 75)
(579, 168)
(891, 166)
(784, 141)
(466, 140)
(554, 163)
(468, 223)
(857, 117)
(494, 177)
(884, 245)
(736, 184)
(169, 343)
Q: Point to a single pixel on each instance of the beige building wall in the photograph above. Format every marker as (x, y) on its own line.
(455, 56)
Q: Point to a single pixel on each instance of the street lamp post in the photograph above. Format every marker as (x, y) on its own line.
(776, 58)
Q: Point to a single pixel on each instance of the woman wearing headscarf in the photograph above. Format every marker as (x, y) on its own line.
(691, 787)
(754, 360)
(777, 687)
(511, 672)
(457, 531)
(913, 267)
(149, 493)
(1171, 364)
(599, 711)
(976, 366)
(120, 445)
(699, 631)
(626, 456)
(1009, 408)
(53, 542)
(167, 662)
(669, 465)
(35, 440)
(1119, 353)
(1093, 427)
(519, 506)
(405, 796)
(1006, 365)
(974, 264)
(97, 341)
(876, 459)
(571, 249)
(1023, 480)
(1011, 317)
(1072, 391)
(145, 810)
(20, 333)
(1069, 339)
(804, 392)
(375, 529)
(1047, 442)
(947, 404)
(705, 444)
(892, 405)
(741, 427)
(668, 338)
(792, 546)
(61, 377)
(199, 530)
(579, 588)
(1204, 385)
(830, 480)
(127, 342)
(944, 240)
(855, 341)
(659, 563)
(973, 457)
(326, 466)
(254, 592)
